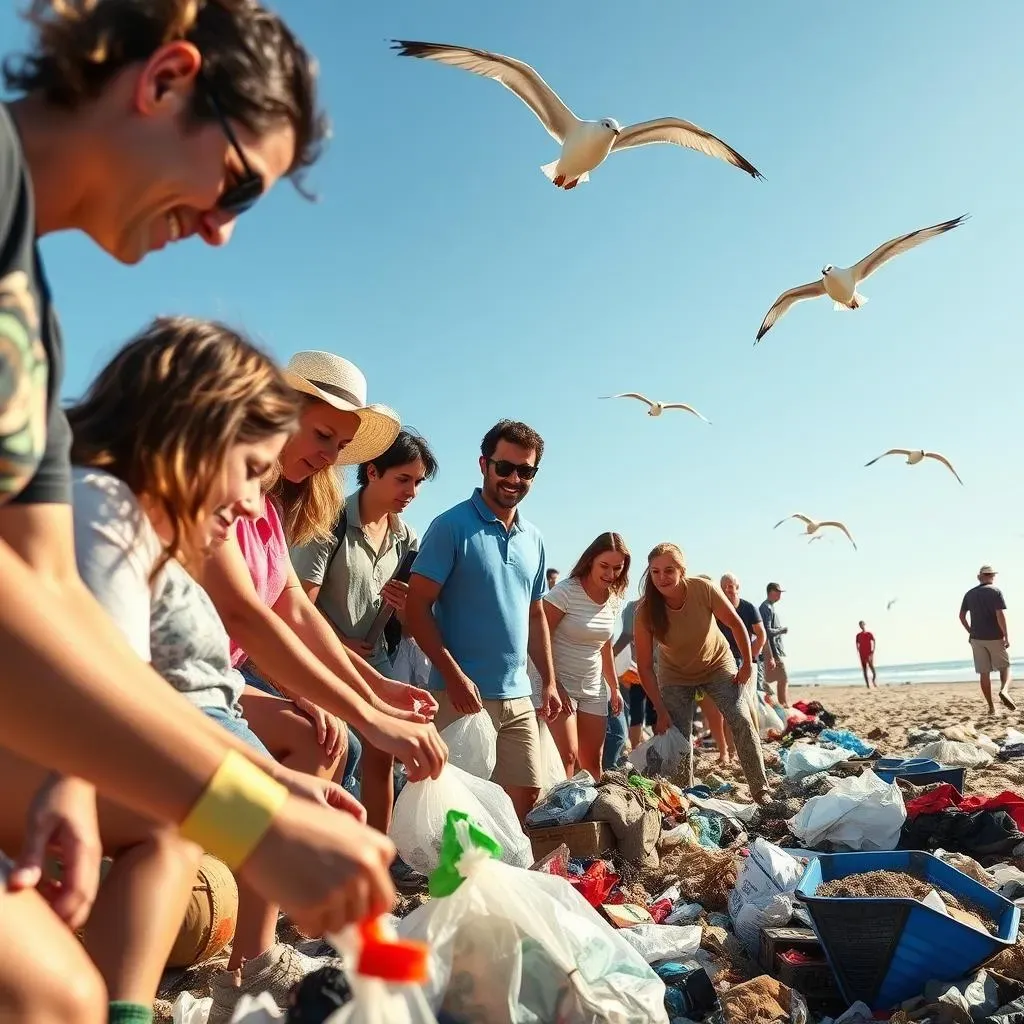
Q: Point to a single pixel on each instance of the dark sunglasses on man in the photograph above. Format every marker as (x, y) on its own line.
(243, 193)
(505, 468)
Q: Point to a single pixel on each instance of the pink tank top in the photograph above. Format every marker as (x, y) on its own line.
(265, 551)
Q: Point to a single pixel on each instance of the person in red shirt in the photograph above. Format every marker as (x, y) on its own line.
(866, 650)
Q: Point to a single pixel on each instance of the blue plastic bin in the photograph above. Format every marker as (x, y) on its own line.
(883, 951)
(921, 771)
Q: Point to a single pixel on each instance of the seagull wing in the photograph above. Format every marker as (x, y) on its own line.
(945, 462)
(814, 290)
(687, 408)
(895, 246)
(516, 76)
(891, 451)
(840, 526)
(795, 515)
(632, 394)
(677, 132)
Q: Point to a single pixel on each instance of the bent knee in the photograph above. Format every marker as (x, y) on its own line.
(57, 987)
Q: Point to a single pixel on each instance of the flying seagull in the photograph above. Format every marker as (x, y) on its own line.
(888, 607)
(585, 144)
(916, 456)
(840, 283)
(814, 527)
(657, 408)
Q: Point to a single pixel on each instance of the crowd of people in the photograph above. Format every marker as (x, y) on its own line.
(184, 523)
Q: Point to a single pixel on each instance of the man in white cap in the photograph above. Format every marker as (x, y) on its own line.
(983, 615)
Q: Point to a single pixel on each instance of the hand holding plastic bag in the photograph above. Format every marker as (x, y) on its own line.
(509, 946)
(472, 744)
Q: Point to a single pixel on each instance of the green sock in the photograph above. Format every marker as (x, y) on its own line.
(129, 1013)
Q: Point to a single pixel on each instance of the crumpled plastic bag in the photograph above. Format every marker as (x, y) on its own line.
(859, 813)
(417, 824)
(768, 719)
(472, 744)
(808, 759)
(956, 754)
(259, 1009)
(761, 898)
(512, 947)
(656, 942)
(660, 755)
(845, 738)
(565, 804)
(552, 770)
(189, 1010)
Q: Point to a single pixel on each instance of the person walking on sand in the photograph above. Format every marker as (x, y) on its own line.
(775, 652)
(676, 616)
(983, 615)
(866, 651)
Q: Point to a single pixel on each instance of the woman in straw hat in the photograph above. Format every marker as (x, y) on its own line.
(272, 622)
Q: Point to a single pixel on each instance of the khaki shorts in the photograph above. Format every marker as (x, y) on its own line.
(990, 656)
(515, 721)
(778, 674)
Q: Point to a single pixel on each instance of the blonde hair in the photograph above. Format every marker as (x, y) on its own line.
(605, 542)
(163, 413)
(653, 602)
(311, 508)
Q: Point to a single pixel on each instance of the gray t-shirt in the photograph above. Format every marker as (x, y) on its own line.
(350, 594)
(169, 622)
(772, 627)
(981, 603)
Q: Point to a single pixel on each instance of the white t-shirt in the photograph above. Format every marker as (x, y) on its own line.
(170, 622)
(576, 641)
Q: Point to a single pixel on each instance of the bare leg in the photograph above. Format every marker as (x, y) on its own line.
(783, 690)
(592, 729)
(45, 975)
(864, 669)
(290, 736)
(636, 736)
(1004, 688)
(564, 732)
(377, 787)
(986, 689)
(523, 798)
(715, 722)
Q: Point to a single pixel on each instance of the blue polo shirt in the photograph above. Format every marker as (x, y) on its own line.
(489, 577)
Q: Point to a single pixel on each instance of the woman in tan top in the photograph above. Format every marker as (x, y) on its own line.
(678, 614)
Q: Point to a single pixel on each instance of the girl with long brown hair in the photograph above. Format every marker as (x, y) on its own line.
(677, 615)
(581, 611)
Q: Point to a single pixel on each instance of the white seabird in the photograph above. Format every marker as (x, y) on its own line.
(813, 526)
(916, 456)
(657, 408)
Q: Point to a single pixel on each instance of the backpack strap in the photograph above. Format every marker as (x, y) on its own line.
(340, 528)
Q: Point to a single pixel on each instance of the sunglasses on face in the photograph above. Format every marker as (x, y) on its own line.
(505, 468)
(243, 193)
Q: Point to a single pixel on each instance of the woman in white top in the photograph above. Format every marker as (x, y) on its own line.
(581, 611)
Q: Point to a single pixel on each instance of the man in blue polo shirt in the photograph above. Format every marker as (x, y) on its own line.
(474, 607)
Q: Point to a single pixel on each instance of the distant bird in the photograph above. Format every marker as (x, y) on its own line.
(814, 526)
(657, 408)
(888, 607)
(916, 456)
(585, 144)
(840, 283)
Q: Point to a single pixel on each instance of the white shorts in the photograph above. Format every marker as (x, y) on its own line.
(588, 703)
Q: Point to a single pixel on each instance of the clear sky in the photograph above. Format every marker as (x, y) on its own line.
(468, 288)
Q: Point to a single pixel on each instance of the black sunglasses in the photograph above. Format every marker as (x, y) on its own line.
(505, 468)
(243, 194)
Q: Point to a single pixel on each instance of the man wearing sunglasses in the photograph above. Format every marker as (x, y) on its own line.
(140, 123)
(474, 607)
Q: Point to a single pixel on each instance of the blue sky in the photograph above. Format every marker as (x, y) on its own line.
(468, 288)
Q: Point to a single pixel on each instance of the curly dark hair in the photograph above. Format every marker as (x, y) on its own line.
(259, 73)
(514, 432)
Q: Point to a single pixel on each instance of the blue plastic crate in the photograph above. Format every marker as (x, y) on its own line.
(883, 951)
(921, 771)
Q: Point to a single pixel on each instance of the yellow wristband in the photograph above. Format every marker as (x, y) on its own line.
(235, 810)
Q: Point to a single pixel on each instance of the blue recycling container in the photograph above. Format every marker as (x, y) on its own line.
(921, 771)
(883, 951)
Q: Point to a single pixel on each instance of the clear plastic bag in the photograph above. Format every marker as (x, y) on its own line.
(862, 813)
(421, 809)
(472, 744)
(552, 770)
(259, 1009)
(660, 755)
(522, 947)
(189, 1010)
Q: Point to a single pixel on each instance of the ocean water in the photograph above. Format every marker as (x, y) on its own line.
(915, 672)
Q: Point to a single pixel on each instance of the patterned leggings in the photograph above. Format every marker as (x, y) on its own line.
(731, 700)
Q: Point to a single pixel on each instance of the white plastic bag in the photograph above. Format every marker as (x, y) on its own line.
(552, 770)
(660, 755)
(189, 1010)
(808, 759)
(375, 1001)
(422, 807)
(761, 897)
(655, 942)
(259, 1009)
(860, 813)
(956, 754)
(510, 946)
(472, 744)
(768, 719)
(565, 804)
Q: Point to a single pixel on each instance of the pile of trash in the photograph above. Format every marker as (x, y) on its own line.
(873, 886)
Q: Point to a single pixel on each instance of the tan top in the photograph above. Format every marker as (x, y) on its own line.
(694, 648)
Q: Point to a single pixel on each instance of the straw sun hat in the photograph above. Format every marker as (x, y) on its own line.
(341, 384)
